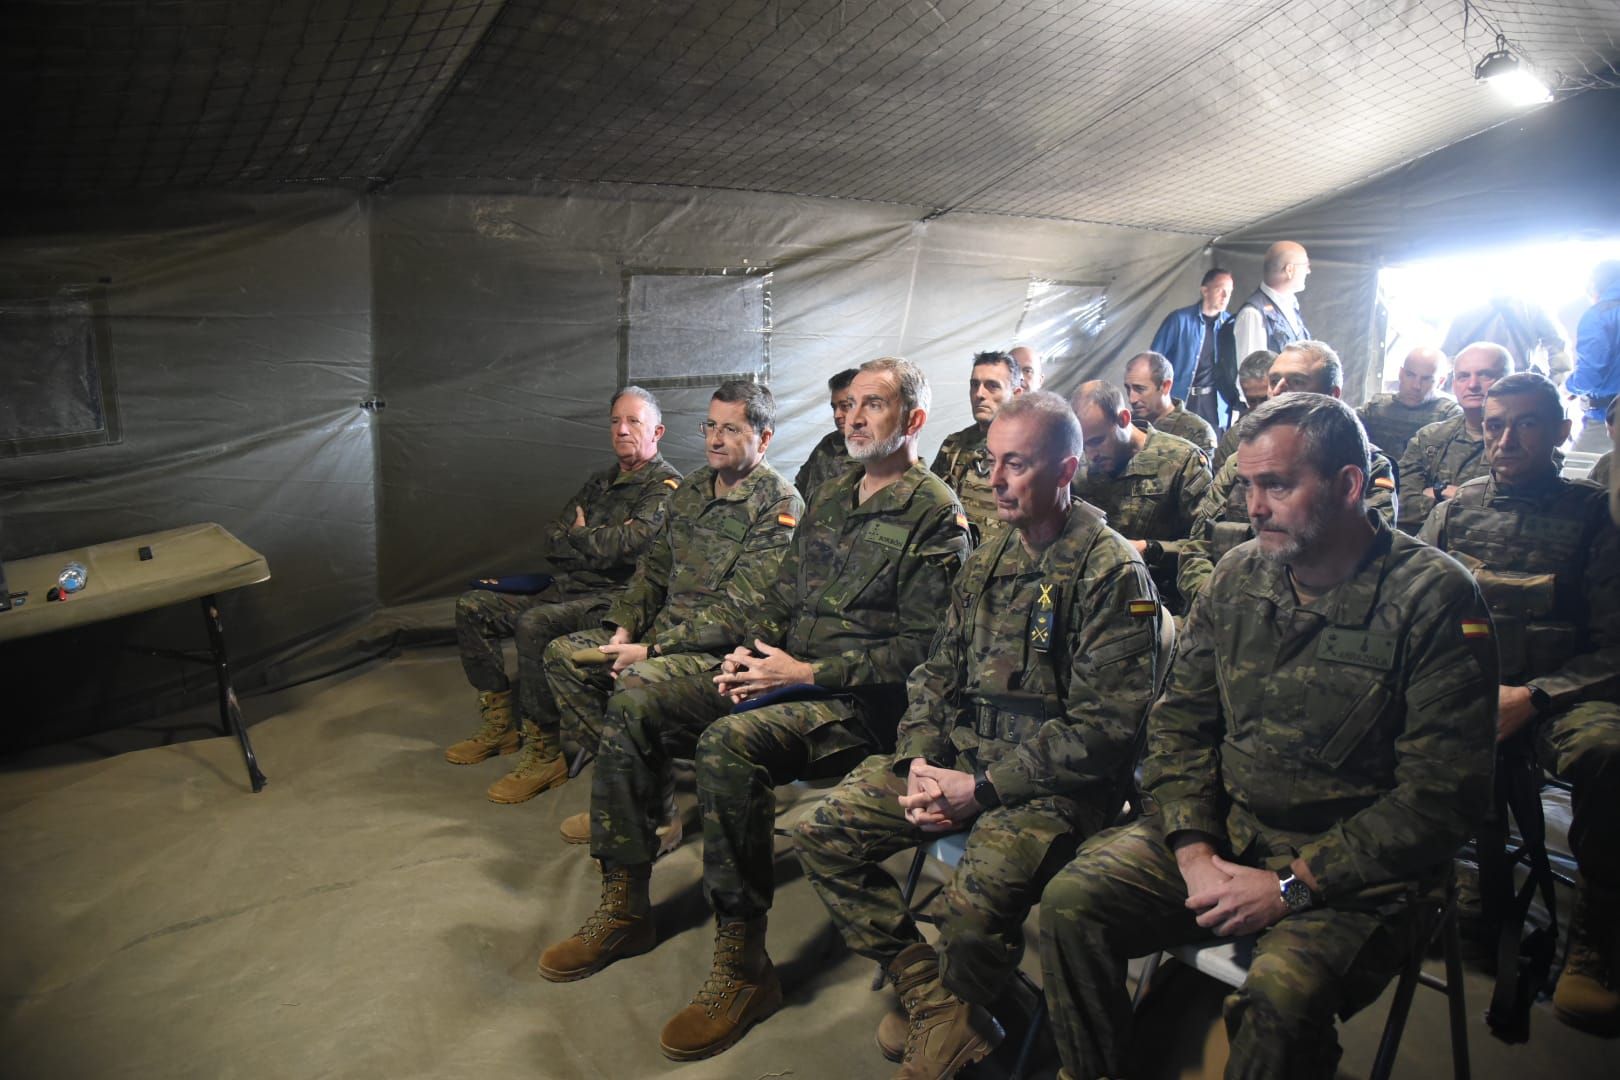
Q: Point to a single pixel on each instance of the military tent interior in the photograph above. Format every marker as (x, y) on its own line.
(355, 280)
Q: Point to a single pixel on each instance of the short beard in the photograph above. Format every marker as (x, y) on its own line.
(1303, 540)
(877, 448)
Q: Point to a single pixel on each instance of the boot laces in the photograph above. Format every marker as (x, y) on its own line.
(725, 973)
(531, 757)
(615, 896)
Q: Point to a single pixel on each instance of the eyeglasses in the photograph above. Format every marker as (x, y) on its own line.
(730, 431)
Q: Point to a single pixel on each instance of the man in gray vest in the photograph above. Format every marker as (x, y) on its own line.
(1269, 318)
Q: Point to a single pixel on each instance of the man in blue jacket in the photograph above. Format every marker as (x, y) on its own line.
(1596, 378)
(1205, 377)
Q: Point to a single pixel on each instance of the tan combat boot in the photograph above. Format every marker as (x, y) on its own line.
(495, 735)
(946, 1033)
(1588, 992)
(620, 926)
(741, 990)
(540, 767)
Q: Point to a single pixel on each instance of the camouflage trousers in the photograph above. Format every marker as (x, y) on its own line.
(484, 617)
(581, 692)
(1123, 896)
(1011, 853)
(1582, 746)
(740, 758)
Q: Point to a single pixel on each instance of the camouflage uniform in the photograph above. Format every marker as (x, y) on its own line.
(1039, 678)
(1547, 558)
(622, 512)
(1390, 423)
(1227, 446)
(1155, 498)
(1187, 425)
(1223, 519)
(963, 462)
(829, 459)
(858, 596)
(1438, 456)
(1354, 731)
(709, 545)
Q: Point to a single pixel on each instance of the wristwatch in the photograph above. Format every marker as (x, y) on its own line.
(1540, 700)
(985, 793)
(1295, 893)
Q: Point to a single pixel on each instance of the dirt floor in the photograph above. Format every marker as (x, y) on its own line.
(370, 914)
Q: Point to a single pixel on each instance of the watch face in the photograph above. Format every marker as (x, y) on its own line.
(1296, 894)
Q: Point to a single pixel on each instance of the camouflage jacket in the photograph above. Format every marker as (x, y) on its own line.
(1438, 456)
(1158, 494)
(1186, 425)
(1223, 519)
(963, 462)
(859, 592)
(1043, 669)
(829, 459)
(623, 511)
(1226, 447)
(1547, 558)
(1391, 425)
(1356, 731)
(709, 544)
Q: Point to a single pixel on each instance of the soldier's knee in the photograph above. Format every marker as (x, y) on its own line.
(722, 742)
(1286, 995)
(470, 606)
(1075, 895)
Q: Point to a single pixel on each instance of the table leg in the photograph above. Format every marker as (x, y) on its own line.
(230, 713)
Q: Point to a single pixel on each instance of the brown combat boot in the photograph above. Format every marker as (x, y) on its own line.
(620, 926)
(1588, 992)
(540, 767)
(495, 735)
(946, 1034)
(741, 990)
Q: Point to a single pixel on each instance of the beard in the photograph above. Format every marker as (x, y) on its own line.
(876, 448)
(1302, 538)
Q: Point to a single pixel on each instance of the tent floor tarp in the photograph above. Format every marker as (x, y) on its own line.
(370, 914)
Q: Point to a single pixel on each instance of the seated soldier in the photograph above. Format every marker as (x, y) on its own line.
(592, 550)
(1149, 483)
(728, 522)
(1020, 727)
(1392, 419)
(830, 457)
(1547, 557)
(831, 641)
(1305, 367)
(1323, 749)
(1445, 455)
(1148, 378)
(1254, 380)
(962, 461)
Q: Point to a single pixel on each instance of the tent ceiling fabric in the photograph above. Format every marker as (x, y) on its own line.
(1161, 114)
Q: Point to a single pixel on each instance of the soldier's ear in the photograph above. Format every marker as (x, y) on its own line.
(915, 421)
(1067, 471)
(765, 439)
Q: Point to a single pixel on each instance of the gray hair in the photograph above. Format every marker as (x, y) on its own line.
(1060, 430)
(1257, 365)
(1323, 359)
(1500, 353)
(759, 404)
(1158, 365)
(908, 377)
(640, 395)
(1330, 432)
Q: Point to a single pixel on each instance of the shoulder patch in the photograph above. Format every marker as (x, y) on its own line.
(1143, 608)
(787, 519)
(670, 481)
(962, 522)
(1476, 628)
(1383, 482)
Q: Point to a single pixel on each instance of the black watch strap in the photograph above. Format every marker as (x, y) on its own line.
(985, 793)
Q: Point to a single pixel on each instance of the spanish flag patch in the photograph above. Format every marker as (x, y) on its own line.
(670, 481)
(1143, 608)
(1384, 482)
(961, 521)
(1476, 628)
(787, 519)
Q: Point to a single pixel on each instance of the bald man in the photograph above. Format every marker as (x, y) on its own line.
(1392, 419)
(1029, 365)
(1269, 318)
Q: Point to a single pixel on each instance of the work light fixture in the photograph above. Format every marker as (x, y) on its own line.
(1511, 77)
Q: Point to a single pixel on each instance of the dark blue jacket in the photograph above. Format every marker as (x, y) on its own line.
(1179, 339)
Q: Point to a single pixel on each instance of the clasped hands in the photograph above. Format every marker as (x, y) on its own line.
(746, 673)
(938, 800)
(1230, 898)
